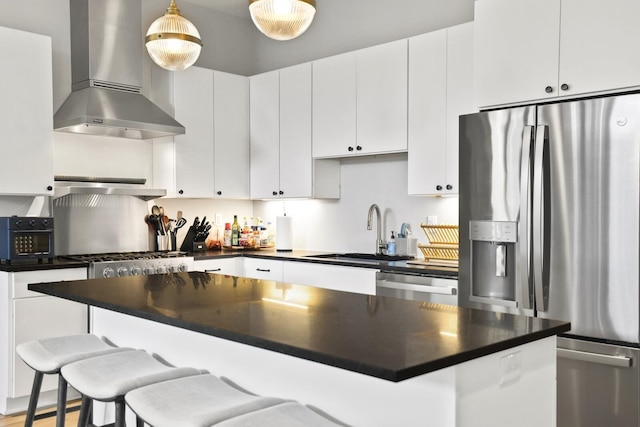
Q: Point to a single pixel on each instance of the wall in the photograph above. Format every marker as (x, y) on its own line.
(341, 225)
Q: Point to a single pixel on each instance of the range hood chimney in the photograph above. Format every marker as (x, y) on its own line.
(106, 73)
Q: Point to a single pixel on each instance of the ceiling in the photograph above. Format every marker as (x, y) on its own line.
(239, 8)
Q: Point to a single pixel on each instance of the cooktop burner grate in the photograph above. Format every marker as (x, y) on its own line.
(124, 256)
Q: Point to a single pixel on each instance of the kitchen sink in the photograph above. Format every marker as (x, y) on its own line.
(362, 257)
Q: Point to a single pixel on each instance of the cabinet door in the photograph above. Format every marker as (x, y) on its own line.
(262, 269)
(599, 45)
(516, 53)
(382, 98)
(460, 95)
(193, 97)
(427, 112)
(26, 113)
(295, 131)
(337, 277)
(334, 105)
(231, 135)
(265, 135)
(38, 318)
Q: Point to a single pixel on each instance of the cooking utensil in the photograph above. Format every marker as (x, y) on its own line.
(181, 222)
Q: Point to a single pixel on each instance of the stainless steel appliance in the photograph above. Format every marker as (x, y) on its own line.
(416, 287)
(549, 227)
(109, 265)
(24, 238)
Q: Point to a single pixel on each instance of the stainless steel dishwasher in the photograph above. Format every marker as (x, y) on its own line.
(417, 287)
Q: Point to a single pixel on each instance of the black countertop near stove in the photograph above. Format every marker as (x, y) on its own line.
(383, 337)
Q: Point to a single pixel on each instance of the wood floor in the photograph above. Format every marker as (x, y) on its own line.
(18, 420)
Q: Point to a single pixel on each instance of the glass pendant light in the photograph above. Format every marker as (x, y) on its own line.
(282, 19)
(172, 41)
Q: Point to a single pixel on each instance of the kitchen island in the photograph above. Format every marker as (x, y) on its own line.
(365, 360)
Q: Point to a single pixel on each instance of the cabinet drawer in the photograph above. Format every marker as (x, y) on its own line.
(263, 269)
(337, 277)
(230, 266)
(20, 281)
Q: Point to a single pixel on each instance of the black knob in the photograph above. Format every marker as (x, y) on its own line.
(32, 222)
(219, 193)
(275, 193)
(281, 192)
(45, 222)
(449, 187)
(350, 148)
(180, 191)
(19, 223)
(49, 188)
(548, 89)
(564, 86)
(359, 148)
(439, 187)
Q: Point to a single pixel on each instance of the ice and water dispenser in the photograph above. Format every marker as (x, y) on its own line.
(493, 262)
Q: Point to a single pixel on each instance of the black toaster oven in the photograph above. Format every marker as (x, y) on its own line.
(26, 238)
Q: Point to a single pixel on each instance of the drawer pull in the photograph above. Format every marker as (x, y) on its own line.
(263, 270)
(213, 270)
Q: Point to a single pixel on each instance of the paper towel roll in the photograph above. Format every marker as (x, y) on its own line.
(284, 233)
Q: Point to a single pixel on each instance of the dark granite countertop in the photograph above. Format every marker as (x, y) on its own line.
(383, 337)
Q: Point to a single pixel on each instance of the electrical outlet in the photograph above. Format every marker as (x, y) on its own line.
(218, 219)
(510, 368)
(432, 220)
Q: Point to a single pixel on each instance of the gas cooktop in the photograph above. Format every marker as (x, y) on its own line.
(120, 264)
(124, 256)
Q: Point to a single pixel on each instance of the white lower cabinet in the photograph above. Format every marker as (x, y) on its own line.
(266, 269)
(27, 316)
(336, 277)
(228, 266)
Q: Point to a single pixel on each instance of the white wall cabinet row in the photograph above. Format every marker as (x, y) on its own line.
(212, 157)
(360, 102)
(534, 50)
(27, 316)
(440, 90)
(26, 113)
(281, 162)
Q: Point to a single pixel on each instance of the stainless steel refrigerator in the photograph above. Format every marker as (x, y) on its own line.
(549, 227)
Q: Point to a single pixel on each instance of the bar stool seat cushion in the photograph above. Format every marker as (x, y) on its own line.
(107, 377)
(48, 355)
(289, 414)
(197, 401)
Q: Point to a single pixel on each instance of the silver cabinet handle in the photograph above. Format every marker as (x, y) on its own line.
(444, 290)
(602, 359)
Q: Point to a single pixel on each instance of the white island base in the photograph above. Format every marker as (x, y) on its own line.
(512, 387)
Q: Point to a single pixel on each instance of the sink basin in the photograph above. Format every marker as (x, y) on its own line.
(363, 257)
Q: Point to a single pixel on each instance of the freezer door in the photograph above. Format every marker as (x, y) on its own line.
(495, 186)
(597, 384)
(586, 246)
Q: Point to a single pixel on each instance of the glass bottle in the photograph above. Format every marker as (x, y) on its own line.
(235, 231)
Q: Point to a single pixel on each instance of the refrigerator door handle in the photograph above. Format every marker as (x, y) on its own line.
(602, 359)
(524, 224)
(537, 231)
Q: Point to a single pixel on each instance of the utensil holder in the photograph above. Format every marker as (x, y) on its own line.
(162, 243)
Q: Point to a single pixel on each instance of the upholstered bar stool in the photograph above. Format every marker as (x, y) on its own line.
(288, 414)
(197, 401)
(206, 400)
(49, 355)
(108, 378)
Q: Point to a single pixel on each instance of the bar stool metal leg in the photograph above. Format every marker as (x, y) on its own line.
(85, 411)
(33, 400)
(61, 408)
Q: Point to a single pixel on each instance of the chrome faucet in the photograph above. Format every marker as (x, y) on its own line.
(379, 241)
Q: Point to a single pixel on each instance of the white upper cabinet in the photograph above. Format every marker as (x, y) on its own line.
(360, 102)
(382, 98)
(334, 105)
(26, 113)
(529, 50)
(440, 90)
(281, 162)
(212, 157)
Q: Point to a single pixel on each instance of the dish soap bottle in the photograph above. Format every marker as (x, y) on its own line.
(391, 245)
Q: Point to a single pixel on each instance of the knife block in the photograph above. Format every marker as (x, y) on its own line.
(187, 243)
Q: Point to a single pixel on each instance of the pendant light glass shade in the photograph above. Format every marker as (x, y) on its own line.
(172, 41)
(282, 19)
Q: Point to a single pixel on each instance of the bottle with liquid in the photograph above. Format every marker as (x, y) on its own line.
(391, 245)
(227, 234)
(235, 231)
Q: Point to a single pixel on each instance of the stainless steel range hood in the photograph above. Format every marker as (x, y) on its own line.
(94, 186)
(106, 71)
